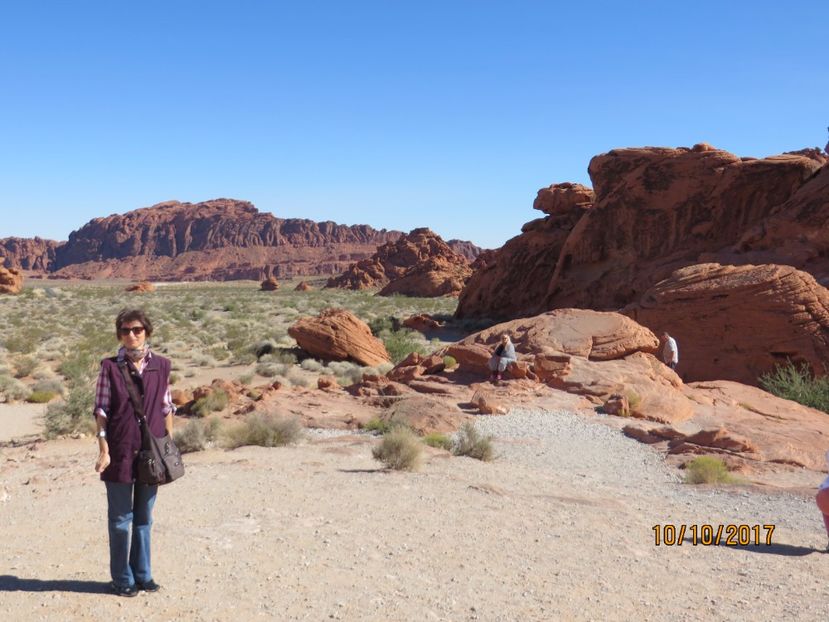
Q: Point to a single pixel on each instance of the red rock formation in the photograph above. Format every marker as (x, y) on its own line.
(339, 335)
(467, 249)
(27, 253)
(656, 210)
(269, 285)
(509, 282)
(143, 287)
(738, 322)
(221, 239)
(794, 234)
(11, 281)
(303, 286)
(422, 322)
(417, 264)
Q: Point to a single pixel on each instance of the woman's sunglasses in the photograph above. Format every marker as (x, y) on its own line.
(135, 330)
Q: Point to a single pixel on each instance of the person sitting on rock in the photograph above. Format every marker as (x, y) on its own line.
(822, 500)
(504, 355)
(670, 351)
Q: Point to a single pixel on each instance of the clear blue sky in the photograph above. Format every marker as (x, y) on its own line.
(396, 114)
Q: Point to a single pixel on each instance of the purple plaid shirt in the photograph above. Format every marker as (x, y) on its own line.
(103, 390)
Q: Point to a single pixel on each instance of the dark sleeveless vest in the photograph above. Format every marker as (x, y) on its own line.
(123, 432)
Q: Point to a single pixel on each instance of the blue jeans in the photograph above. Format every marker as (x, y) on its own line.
(129, 557)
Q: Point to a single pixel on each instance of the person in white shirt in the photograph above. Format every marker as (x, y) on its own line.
(823, 500)
(670, 351)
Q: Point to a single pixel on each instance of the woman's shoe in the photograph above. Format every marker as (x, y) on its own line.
(119, 590)
(149, 586)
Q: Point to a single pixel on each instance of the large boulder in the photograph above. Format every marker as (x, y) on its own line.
(655, 210)
(142, 287)
(417, 264)
(269, 285)
(11, 281)
(339, 335)
(738, 322)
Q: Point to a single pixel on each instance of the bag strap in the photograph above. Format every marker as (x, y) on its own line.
(132, 390)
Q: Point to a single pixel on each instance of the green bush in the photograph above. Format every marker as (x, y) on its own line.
(41, 397)
(376, 425)
(215, 401)
(436, 439)
(399, 450)
(707, 470)
(197, 435)
(401, 343)
(72, 414)
(265, 430)
(449, 362)
(797, 384)
(469, 442)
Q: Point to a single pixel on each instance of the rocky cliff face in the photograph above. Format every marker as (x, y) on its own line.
(655, 210)
(28, 253)
(219, 240)
(417, 264)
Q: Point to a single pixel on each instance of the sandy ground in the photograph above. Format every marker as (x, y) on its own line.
(18, 421)
(559, 527)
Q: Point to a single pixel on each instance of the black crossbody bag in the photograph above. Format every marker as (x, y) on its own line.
(159, 460)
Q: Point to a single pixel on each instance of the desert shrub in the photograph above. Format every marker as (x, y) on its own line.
(797, 384)
(634, 399)
(297, 378)
(385, 324)
(78, 368)
(197, 435)
(71, 414)
(436, 439)
(269, 370)
(450, 362)
(384, 368)
(707, 470)
(41, 397)
(346, 372)
(400, 450)
(265, 430)
(49, 384)
(215, 401)
(12, 389)
(401, 343)
(24, 366)
(469, 442)
(220, 353)
(311, 365)
(246, 378)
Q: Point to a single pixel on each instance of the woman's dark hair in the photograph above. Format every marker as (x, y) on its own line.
(131, 315)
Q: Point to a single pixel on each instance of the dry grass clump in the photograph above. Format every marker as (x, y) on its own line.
(311, 365)
(265, 430)
(197, 435)
(24, 366)
(41, 397)
(469, 442)
(215, 401)
(707, 470)
(346, 372)
(399, 449)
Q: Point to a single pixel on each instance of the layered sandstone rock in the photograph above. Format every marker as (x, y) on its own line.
(655, 210)
(738, 322)
(33, 254)
(339, 335)
(221, 239)
(417, 264)
(508, 282)
(11, 281)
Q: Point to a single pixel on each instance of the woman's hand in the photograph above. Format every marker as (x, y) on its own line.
(102, 462)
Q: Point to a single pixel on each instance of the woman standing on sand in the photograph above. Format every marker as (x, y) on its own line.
(119, 440)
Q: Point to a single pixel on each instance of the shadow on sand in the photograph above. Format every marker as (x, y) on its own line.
(9, 583)
(786, 550)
